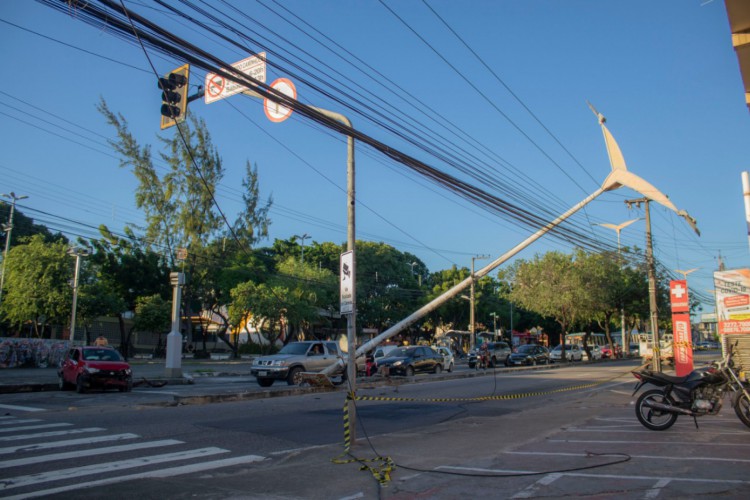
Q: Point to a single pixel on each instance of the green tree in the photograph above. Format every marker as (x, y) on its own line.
(550, 286)
(36, 281)
(180, 206)
(128, 269)
(153, 314)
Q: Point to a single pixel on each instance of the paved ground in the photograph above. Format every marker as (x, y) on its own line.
(551, 450)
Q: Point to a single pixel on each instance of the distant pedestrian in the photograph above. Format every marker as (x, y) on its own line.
(101, 341)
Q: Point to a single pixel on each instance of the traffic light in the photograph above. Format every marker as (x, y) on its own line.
(174, 88)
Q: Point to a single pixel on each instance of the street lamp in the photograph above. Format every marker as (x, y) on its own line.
(471, 298)
(8, 228)
(625, 339)
(494, 324)
(77, 253)
(419, 278)
(302, 240)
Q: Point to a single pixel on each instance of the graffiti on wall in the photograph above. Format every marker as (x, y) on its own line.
(31, 353)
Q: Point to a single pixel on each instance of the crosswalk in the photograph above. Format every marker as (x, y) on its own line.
(39, 458)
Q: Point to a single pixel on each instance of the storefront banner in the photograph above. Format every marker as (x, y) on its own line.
(733, 301)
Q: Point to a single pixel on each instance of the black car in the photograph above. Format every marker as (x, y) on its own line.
(412, 359)
(530, 354)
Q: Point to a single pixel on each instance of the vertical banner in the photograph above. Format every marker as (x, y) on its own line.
(733, 301)
(346, 291)
(682, 346)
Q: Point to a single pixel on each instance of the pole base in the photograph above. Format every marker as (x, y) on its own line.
(173, 372)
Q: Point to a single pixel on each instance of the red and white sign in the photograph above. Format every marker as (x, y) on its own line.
(682, 346)
(733, 300)
(218, 87)
(278, 112)
(678, 295)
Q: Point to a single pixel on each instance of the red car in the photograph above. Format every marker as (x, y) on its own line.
(607, 352)
(85, 367)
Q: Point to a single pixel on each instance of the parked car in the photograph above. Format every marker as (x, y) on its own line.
(572, 353)
(86, 367)
(635, 350)
(701, 346)
(297, 357)
(382, 351)
(448, 358)
(596, 352)
(498, 352)
(530, 354)
(412, 359)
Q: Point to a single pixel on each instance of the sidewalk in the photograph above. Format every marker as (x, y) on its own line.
(46, 379)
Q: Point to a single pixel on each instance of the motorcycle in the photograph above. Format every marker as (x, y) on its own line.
(699, 393)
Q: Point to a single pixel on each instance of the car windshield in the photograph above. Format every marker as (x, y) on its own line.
(526, 348)
(398, 353)
(101, 355)
(294, 348)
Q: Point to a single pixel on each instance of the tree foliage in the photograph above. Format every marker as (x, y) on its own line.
(37, 287)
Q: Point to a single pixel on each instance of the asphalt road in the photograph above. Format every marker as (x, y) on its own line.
(567, 431)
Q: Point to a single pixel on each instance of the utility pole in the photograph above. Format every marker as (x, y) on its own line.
(653, 314)
(472, 342)
(8, 230)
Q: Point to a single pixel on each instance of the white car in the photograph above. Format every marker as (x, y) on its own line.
(596, 352)
(448, 358)
(572, 353)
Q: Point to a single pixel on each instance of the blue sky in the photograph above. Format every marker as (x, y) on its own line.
(663, 73)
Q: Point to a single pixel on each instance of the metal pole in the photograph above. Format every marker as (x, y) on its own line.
(472, 325)
(8, 231)
(351, 319)
(77, 253)
(624, 336)
(653, 313)
(472, 332)
(173, 364)
(746, 196)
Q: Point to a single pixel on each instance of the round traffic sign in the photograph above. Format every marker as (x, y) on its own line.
(278, 112)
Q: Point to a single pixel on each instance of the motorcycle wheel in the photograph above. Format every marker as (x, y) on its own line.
(742, 408)
(650, 418)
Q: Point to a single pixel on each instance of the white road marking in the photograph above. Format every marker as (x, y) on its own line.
(591, 441)
(14, 420)
(532, 490)
(654, 492)
(21, 408)
(174, 471)
(105, 468)
(51, 434)
(88, 453)
(68, 442)
(33, 427)
(647, 457)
